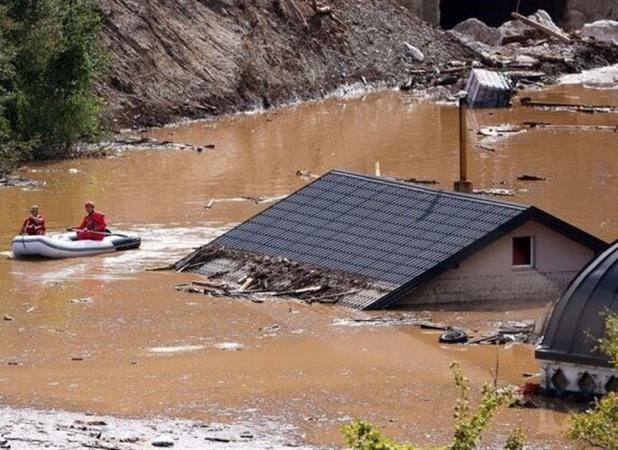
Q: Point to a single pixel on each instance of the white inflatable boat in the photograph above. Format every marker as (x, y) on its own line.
(66, 245)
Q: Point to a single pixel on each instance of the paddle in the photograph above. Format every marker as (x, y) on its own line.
(98, 232)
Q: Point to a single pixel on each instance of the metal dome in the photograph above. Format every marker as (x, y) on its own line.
(578, 319)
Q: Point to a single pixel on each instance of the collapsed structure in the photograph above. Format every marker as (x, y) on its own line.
(400, 244)
(569, 359)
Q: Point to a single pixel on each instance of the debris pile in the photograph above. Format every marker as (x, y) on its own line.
(509, 331)
(236, 274)
(534, 49)
(20, 182)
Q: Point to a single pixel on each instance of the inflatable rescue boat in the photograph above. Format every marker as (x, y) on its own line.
(66, 245)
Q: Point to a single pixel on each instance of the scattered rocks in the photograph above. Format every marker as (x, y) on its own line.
(45, 430)
(8, 318)
(479, 31)
(602, 30)
(414, 52)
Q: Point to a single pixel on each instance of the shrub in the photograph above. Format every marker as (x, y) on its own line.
(598, 426)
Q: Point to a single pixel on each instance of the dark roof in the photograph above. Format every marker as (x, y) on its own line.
(577, 320)
(394, 232)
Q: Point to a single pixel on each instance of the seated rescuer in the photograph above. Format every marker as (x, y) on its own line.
(35, 224)
(93, 226)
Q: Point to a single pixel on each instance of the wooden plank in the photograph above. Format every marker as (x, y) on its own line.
(540, 27)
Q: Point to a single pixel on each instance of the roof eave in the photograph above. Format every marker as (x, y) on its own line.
(577, 234)
(531, 213)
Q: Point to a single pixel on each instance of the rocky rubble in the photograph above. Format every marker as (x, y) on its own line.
(532, 55)
(28, 429)
(602, 31)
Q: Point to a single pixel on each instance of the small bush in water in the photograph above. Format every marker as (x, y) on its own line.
(598, 427)
(468, 425)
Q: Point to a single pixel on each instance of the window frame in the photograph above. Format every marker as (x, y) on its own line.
(532, 264)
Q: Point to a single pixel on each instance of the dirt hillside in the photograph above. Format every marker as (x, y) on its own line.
(193, 58)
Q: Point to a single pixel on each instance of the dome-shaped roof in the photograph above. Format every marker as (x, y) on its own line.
(578, 319)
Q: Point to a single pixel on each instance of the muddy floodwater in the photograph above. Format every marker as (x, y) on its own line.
(101, 334)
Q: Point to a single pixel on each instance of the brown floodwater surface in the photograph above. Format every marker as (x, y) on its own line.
(101, 334)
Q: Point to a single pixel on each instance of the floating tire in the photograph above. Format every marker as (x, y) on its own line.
(454, 337)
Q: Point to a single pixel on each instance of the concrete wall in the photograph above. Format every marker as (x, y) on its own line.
(490, 276)
(573, 373)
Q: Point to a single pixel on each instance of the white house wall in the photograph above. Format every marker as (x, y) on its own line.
(489, 274)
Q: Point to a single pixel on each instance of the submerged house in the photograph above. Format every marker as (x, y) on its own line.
(569, 359)
(416, 245)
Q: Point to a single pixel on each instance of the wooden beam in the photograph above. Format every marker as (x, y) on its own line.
(542, 28)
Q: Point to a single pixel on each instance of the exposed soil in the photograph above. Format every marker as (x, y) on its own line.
(172, 59)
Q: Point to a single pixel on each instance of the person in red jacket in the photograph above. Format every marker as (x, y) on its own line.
(35, 224)
(93, 227)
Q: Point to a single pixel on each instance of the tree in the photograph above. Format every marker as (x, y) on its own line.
(50, 57)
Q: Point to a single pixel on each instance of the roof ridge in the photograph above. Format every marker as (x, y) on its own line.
(416, 187)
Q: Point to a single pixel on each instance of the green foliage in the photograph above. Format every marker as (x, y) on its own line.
(50, 55)
(609, 343)
(362, 436)
(468, 426)
(598, 426)
(515, 440)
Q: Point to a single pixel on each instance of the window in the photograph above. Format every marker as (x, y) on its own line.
(523, 251)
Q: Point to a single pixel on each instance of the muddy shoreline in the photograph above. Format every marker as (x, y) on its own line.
(32, 429)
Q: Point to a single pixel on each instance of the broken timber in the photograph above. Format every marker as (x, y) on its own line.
(542, 28)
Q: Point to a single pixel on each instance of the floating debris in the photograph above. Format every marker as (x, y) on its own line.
(231, 346)
(500, 192)
(509, 332)
(306, 174)
(82, 301)
(176, 349)
(526, 177)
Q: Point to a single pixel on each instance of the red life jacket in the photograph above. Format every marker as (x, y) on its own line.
(94, 222)
(92, 227)
(32, 228)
